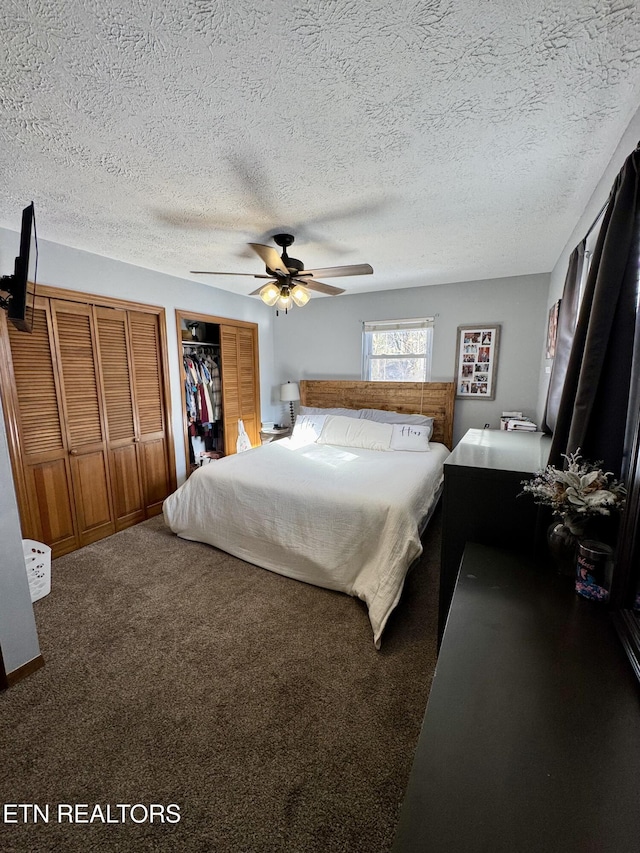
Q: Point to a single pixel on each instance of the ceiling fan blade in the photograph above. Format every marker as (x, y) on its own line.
(319, 286)
(271, 258)
(211, 272)
(333, 272)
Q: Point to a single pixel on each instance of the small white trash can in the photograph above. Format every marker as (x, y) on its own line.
(37, 558)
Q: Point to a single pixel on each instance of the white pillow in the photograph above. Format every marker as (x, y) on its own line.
(317, 410)
(384, 417)
(410, 437)
(308, 427)
(349, 432)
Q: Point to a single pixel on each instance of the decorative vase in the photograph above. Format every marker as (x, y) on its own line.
(563, 538)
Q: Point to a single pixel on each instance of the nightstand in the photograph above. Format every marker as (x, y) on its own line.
(269, 435)
(482, 480)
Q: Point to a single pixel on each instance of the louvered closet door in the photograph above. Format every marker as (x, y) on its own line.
(230, 381)
(247, 364)
(42, 438)
(122, 441)
(238, 347)
(82, 415)
(149, 408)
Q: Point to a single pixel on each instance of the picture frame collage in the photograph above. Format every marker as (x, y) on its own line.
(476, 361)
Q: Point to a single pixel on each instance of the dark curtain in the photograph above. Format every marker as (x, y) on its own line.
(592, 414)
(567, 317)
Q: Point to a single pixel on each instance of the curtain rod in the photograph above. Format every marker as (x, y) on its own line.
(604, 206)
(597, 219)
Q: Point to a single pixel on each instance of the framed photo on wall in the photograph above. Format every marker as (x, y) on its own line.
(552, 329)
(477, 361)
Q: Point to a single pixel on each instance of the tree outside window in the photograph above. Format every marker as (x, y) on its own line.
(397, 350)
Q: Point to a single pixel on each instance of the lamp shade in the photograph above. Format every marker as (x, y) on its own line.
(289, 392)
(284, 301)
(300, 295)
(270, 293)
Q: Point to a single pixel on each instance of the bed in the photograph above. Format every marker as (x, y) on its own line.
(344, 517)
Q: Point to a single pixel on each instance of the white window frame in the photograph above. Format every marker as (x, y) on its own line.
(369, 327)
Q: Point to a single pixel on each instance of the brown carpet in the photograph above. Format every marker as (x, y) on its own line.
(178, 674)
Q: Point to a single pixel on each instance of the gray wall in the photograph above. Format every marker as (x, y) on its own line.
(323, 340)
(18, 637)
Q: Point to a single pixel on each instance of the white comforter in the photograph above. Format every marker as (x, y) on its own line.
(342, 518)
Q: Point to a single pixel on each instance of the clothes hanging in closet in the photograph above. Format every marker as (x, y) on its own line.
(202, 387)
(204, 402)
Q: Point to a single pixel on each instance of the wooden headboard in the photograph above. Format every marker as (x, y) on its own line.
(435, 399)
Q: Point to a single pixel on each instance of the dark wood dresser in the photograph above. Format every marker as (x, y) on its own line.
(531, 738)
(482, 479)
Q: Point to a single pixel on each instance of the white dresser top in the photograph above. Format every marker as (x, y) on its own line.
(503, 450)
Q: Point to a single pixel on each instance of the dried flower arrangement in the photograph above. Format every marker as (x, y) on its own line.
(577, 491)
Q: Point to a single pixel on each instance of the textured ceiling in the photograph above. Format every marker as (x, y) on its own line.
(437, 140)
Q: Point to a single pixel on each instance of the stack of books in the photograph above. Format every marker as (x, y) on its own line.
(522, 424)
(516, 421)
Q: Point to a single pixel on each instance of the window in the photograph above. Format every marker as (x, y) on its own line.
(397, 350)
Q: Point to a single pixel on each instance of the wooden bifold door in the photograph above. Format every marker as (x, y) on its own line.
(240, 399)
(86, 409)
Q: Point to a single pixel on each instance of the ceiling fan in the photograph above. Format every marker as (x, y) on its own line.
(290, 282)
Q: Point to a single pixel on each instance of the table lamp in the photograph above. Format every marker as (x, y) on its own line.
(290, 393)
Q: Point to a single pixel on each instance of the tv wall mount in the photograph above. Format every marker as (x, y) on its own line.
(6, 286)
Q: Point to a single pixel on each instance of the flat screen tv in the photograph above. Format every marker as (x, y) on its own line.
(21, 286)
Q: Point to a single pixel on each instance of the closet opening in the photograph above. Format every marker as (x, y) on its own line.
(220, 385)
(201, 364)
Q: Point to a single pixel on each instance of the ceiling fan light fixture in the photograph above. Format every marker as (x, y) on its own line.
(284, 301)
(300, 295)
(270, 293)
(289, 282)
